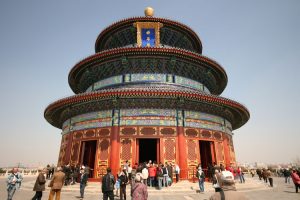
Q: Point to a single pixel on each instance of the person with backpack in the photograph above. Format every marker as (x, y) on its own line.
(108, 182)
(201, 178)
(123, 181)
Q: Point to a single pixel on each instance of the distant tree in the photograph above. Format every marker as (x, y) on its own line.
(2, 170)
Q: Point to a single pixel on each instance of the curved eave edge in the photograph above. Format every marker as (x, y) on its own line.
(86, 97)
(138, 50)
(154, 19)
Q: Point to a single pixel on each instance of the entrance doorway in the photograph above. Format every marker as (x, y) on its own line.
(205, 153)
(148, 149)
(88, 155)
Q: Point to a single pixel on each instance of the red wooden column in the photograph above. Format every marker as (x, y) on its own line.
(182, 151)
(115, 150)
(226, 152)
(68, 149)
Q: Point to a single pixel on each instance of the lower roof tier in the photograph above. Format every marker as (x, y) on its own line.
(152, 97)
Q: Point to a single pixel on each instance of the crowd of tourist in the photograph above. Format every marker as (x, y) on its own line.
(141, 176)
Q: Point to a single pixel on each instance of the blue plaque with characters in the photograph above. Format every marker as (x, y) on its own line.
(148, 37)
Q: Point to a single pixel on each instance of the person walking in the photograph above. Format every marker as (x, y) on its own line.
(296, 179)
(108, 182)
(269, 176)
(14, 181)
(56, 183)
(83, 181)
(228, 190)
(39, 185)
(287, 175)
(201, 178)
(138, 189)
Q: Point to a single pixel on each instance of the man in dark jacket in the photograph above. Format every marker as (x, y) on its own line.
(39, 185)
(83, 180)
(170, 171)
(108, 182)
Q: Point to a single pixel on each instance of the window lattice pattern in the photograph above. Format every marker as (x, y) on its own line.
(170, 149)
(126, 149)
(192, 155)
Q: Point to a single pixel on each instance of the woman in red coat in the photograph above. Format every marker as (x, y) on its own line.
(296, 179)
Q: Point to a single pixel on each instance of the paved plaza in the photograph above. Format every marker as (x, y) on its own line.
(253, 189)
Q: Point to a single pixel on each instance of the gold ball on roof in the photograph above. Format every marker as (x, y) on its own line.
(149, 12)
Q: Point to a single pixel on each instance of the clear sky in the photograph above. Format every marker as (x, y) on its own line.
(257, 42)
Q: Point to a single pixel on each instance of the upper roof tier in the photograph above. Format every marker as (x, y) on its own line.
(132, 60)
(124, 34)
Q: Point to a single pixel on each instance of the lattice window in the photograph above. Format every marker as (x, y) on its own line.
(169, 149)
(126, 149)
(104, 146)
(191, 144)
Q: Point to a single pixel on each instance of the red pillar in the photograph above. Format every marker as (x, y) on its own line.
(226, 152)
(182, 153)
(67, 159)
(114, 150)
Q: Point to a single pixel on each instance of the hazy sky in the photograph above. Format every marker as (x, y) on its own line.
(257, 43)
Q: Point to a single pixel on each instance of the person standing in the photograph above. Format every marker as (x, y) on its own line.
(145, 174)
(39, 185)
(108, 182)
(296, 179)
(177, 172)
(170, 172)
(216, 181)
(83, 181)
(56, 184)
(138, 189)
(14, 181)
(129, 172)
(241, 175)
(160, 176)
(123, 181)
(165, 176)
(152, 174)
(76, 172)
(201, 177)
(48, 171)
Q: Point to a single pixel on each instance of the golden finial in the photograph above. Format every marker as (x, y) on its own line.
(149, 12)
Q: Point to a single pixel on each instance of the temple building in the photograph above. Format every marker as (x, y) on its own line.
(147, 93)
